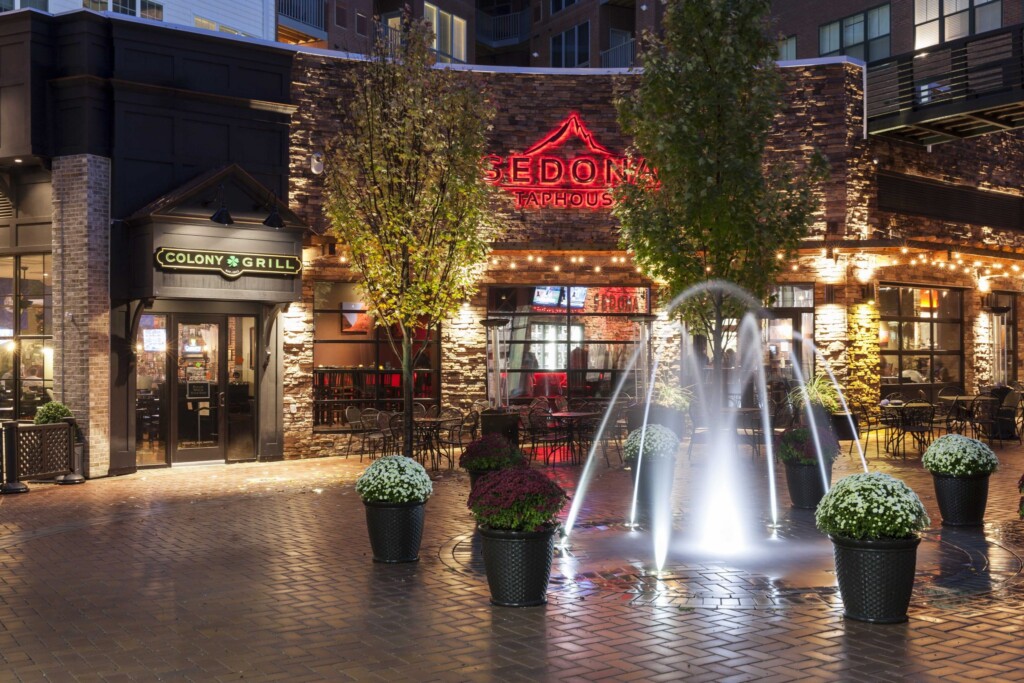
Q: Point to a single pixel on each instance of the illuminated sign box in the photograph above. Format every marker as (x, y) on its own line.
(545, 176)
(227, 263)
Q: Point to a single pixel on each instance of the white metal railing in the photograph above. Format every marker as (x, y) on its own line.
(619, 57)
(308, 12)
(504, 28)
(393, 40)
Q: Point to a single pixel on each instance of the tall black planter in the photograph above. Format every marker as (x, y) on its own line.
(805, 484)
(962, 500)
(656, 475)
(876, 578)
(518, 565)
(396, 530)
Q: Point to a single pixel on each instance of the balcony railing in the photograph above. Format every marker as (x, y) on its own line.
(619, 57)
(393, 40)
(959, 89)
(503, 30)
(307, 12)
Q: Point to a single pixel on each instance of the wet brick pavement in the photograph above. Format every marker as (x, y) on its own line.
(262, 572)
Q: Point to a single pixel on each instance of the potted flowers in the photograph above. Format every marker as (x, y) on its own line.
(960, 468)
(515, 511)
(488, 453)
(650, 453)
(394, 490)
(806, 477)
(873, 520)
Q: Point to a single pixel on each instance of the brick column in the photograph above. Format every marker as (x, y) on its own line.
(81, 299)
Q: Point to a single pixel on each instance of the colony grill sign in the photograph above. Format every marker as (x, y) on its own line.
(230, 264)
(546, 176)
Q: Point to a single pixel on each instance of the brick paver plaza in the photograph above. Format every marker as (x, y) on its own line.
(262, 572)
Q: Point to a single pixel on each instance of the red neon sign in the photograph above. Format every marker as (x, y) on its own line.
(546, 176)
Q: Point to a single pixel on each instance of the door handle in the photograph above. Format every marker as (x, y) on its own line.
(220, 399)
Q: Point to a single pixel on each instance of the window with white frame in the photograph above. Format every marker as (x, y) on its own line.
(97, 5)
(449, 34)
(559, 5)
(571, 48)
(787, 49)
(124, 7)
(865, 35)
(939, 21)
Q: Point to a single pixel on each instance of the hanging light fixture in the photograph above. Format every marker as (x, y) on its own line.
(222, 215)
(273, 219)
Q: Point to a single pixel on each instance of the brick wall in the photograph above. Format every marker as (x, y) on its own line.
(81, 296)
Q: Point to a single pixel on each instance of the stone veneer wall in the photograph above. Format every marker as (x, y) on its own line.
(823, 109)
(81, 292)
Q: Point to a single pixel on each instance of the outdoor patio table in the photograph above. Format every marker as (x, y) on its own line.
(428, 430)
(573, 419)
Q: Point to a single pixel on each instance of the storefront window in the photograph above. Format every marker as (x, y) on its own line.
(26, 335)
(920, 334)
(150, 387)
(568, 341)
(354, 364)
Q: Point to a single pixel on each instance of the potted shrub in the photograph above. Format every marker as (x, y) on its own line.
(798, 450)
(394, 490)
(960, 468)
(51, 413)
(819, 394)
(650, 453)
(515, 512)
(488, 453)
(873, 521)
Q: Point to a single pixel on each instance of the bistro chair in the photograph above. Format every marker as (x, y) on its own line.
(915, 421)
(984, 414)
(1008, 418)
(699, 431)
(869, 424)
(373, 438)
(551, 439)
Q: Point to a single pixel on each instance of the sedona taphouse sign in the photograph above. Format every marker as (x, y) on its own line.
(230, 264)
(567, 169)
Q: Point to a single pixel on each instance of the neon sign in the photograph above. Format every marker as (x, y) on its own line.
(545, 175)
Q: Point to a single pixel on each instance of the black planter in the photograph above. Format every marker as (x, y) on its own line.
(501, 421)
(876, 578)
(961, 500)
(656, 475)
(657, 414)
(396, 530)
(805, 485)
(518, 565)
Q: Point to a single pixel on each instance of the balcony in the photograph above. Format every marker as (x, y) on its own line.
(619, 57)
(504, 30)
(956, 90)
(303, 17)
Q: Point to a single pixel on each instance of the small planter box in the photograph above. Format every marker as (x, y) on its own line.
(34, 451)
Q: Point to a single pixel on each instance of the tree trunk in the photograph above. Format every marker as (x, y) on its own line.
(407, 380)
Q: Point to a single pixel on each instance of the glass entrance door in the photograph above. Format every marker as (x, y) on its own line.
(199, 390)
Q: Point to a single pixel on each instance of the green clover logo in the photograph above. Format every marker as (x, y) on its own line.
(232, 261)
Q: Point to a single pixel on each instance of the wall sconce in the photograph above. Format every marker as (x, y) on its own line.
(867, 293)
(316, 163)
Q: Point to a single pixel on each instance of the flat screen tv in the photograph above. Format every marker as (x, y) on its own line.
(577, 296)
(547, 296)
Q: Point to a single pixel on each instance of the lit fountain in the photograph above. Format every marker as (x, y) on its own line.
(718, 519)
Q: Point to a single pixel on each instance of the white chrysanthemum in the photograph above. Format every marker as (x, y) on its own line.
(394, 479)
(959, 456)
